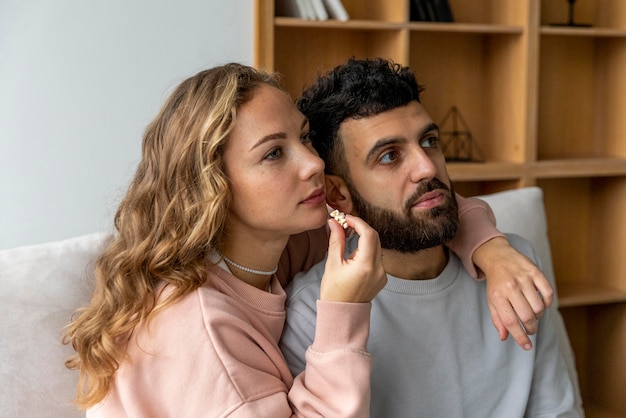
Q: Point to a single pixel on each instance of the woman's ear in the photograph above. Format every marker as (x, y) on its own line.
(337, 194)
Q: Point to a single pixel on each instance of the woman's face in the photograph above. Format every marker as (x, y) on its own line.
(277, 178)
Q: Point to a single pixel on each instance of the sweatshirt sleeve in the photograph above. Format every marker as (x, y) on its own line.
(336, 378)
(477, 225)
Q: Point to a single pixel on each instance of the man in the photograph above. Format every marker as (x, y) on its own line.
(431, 338)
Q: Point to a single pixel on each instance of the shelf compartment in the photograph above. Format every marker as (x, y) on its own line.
(388, 10)
(581, 92)
(598, 337)
(503, 12)
(585, 294)
(599, 13)
(485, 171)
(482, 78)
(315, 51)
(586, 232)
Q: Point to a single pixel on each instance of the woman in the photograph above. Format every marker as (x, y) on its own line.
(187, 311)
(189, 306)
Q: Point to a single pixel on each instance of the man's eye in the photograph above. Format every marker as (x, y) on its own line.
(388, 157)
(430, 142)
(273, 154)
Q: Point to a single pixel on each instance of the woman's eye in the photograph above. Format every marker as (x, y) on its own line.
(388, 157)
(306, 138)
(273, 154)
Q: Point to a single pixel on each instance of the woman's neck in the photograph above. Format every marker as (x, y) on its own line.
(252, 261)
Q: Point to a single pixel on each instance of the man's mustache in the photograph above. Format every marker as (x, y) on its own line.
(425, 187)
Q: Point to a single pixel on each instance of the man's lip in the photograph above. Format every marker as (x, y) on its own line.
(435, 194)
(318, 196)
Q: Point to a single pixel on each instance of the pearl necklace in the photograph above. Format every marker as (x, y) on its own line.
(247, 269)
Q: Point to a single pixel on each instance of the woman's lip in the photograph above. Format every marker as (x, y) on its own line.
(316, 197)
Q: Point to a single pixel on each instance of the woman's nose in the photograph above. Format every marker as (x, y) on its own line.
(310, 163)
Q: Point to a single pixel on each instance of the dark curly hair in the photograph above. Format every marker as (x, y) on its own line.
(356, 89)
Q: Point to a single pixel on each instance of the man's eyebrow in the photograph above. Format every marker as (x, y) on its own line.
(383, 142)
(276, 135)
(430, 127)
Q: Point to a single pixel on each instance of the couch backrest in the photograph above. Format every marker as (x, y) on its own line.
(42, 285)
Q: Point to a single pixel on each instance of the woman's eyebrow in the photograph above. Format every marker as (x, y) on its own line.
(276, 135)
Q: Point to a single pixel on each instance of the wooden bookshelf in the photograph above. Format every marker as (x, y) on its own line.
(547, 106)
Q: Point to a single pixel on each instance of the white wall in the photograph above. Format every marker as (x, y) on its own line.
(79, 81)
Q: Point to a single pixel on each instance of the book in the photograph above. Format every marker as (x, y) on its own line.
(306, 8)
(429, 6)
(418, 11)
(443, 10)
(320, 10)
(288, 8)
(336, 10)
(431, 11)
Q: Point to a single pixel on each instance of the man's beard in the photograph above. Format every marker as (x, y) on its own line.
(408, 233)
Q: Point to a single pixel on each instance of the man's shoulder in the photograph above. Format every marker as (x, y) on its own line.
(305, 285)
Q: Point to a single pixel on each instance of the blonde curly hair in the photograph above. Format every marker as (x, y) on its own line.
(172, 216)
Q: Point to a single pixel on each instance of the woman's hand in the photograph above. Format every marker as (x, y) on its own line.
(359, 277)
(517, 291)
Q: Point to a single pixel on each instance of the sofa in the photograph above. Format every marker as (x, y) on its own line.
(41, 285)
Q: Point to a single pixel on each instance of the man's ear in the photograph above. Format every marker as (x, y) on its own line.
(337, 195)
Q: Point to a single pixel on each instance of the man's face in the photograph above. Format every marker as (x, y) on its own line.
(399, 183)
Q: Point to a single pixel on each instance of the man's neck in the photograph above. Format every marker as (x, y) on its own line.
(423, 265)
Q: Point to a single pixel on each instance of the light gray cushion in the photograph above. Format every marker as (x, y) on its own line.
(41, 285)
(522, 212)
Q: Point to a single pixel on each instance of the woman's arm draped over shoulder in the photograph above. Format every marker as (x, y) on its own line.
(477, 225)
(517, 291)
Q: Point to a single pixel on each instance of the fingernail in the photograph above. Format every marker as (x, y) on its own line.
(527, 347)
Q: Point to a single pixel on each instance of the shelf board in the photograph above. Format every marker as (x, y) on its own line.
(580, 167)
(485, 171)
(465, 28)
(584, 32)
(581, 294)
(292, 22)
(360, 24)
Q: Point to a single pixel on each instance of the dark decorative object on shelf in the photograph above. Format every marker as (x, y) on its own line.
(570, 20)
(431, 11)
(457, 144)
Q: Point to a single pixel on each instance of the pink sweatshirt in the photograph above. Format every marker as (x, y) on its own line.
(214, 353)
